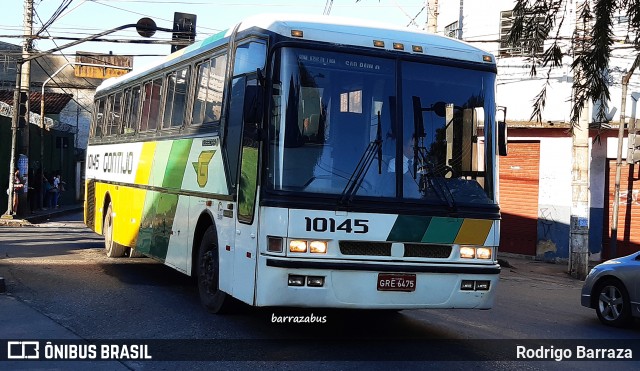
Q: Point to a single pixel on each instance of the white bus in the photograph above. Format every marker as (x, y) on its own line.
(265, 161)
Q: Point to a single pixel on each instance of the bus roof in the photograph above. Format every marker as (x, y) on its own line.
(336, 30)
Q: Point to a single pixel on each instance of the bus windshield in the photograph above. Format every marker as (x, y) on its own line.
(346, 123)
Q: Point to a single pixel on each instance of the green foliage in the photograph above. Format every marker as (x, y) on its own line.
(591, 46)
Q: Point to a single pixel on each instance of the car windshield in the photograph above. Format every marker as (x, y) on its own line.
(337, 126)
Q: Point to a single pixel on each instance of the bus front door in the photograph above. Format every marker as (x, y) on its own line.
(246, 241)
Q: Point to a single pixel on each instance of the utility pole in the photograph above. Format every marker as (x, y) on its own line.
(579, 219)
(25, 84)
(145, 27)
(20, 119)
(432, 20)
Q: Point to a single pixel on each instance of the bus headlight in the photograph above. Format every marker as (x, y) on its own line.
(308, 246)
(467, 252)
(476, 252)
(298, 246)
(483, 253)
(318, 247)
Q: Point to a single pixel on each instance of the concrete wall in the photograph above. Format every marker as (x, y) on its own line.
(56, 158)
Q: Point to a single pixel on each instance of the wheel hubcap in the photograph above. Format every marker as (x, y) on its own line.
(610, 303)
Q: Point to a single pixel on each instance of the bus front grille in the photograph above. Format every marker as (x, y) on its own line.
(426, 251)
(365, 248)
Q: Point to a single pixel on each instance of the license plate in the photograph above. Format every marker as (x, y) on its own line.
(396, 282)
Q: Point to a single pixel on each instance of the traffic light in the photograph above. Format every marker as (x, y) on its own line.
(184, 30)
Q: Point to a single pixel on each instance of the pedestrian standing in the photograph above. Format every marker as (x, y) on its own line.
(17, 189)
(56, 190)
(47, 191)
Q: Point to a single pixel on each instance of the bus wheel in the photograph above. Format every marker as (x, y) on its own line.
(113, 249)
(133, 253)
(211, 296)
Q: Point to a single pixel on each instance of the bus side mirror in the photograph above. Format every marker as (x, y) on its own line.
(502, 138)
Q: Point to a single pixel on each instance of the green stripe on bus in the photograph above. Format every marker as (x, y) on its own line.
(156, 226)
(161, 160)
(174, 172)
(146, 232)
(442, 230)
(409, 228)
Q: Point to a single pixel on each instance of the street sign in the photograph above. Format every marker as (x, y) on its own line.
(101, 72)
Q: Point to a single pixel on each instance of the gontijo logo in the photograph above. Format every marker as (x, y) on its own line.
(202, 167)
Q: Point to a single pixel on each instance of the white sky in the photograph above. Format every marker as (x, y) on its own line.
(85, 17)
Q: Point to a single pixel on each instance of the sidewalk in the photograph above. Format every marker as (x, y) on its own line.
(21, 322)
(528, 266)
(40, 216)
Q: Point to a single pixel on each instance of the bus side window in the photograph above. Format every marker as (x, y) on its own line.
(151, 105)
(248, 186)
(156, 101)
(127, 108)
(98, 119)
(168, 102)
(132, 114)
(249, 57)
(113, 114)
(146, 106)
(176, 97)
(207, 102)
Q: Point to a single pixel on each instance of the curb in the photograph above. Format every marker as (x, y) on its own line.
(13, 222)
(39, 218)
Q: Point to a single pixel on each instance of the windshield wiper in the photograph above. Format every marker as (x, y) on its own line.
(440, 187)
(357, 176)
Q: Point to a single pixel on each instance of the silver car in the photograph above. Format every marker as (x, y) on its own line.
(612, 288)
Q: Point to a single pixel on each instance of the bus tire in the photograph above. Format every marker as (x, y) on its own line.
(133, 253)
(208, 275)
(112, 248)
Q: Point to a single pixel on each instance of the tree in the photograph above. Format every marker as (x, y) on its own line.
(590, 46)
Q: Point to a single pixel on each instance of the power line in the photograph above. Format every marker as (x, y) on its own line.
(146, 15)
(327, 7)
(64, 5)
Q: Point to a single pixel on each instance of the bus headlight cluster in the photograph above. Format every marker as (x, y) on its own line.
(303, 246)
(473, 252)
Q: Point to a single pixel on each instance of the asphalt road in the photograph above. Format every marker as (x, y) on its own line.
(60, 270)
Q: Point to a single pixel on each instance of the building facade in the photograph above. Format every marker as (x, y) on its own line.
(68, 102)
(536, 177)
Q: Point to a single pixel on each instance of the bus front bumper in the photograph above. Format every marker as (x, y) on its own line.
(373, 285)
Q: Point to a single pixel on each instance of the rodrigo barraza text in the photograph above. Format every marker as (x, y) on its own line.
(580, 352)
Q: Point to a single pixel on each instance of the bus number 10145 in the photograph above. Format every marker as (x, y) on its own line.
(330, 225)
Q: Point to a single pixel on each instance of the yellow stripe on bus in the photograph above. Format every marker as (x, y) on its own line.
(473, 231)
(145, 163)
(129, 215)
